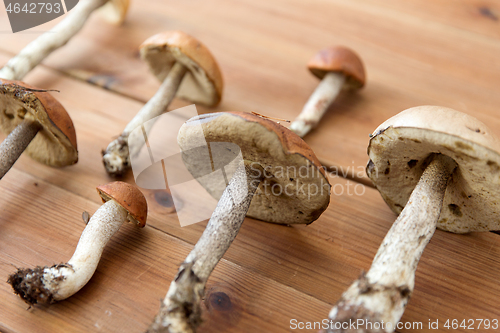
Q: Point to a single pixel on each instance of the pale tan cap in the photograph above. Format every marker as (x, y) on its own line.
(401, 148)
(295, 188)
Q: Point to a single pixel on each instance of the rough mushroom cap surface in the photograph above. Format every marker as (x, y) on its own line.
(203, 81)
(401, 148)
(288, 162)
(339, 59)
(55, 144)
(129, 197)
(115, 11)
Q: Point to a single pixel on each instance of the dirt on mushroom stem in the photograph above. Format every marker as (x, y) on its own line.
(383, 293)
(180, 311)
(116, 157)
(15, 143)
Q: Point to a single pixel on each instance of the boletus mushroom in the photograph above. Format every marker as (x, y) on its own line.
(272, 157)
(338, 68)
(34, 53)
(186, 69)
(122, 202)
(435, 167)
(36, 123)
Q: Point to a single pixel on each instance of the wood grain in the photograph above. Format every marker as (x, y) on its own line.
(271, 273)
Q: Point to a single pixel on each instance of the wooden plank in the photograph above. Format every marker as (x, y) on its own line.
(263, 46)
(319, 260)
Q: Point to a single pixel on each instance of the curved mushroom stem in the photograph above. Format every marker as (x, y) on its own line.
(29, 57)
(51, 284)
(180, 311)
(322, 97)
(15, 143)
(116, 157)
(381, 295)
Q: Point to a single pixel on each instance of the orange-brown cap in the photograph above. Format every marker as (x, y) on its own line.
(202, 83)
(129, 197)
(55, 144)
(342, 60)
(115, 11)
(295, 188)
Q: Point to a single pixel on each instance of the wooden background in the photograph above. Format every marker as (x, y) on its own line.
(444, 52)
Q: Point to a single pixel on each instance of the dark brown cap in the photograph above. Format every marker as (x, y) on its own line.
(55, 144)
(129, 197)
(342, 60)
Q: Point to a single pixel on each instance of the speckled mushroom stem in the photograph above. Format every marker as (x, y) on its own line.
(15, 143)
(180, 311)
(381, 294)
(29, 57)
(116, 157)
(322, 97)
(51, 284)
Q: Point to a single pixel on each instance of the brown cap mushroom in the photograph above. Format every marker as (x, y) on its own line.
(272, 156)
(337, 67)
(127, 196)
(36, 123)
(435, 167)
(33, 54)
(203, 81)
(187, 69)
(123, 202)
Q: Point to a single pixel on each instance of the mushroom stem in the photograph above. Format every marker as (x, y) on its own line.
(381, 295)
(29, 57)
(51, 284)
(15, 144)
(180, 311)
(322, 97)
(116, 157)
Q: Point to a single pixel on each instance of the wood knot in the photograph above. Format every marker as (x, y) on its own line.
(220, 301)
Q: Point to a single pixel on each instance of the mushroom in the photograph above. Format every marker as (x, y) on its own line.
(337, 67)
(122, 202)
(270, 154)
(29, 57)
(435, 167)
(186, 69)
(36, 123)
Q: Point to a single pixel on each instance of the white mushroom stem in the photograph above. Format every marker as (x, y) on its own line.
(51, 284)
(116, 157)
(40, 48)
(322, 97)
(15, 144)
(180, 311)
(381, 294)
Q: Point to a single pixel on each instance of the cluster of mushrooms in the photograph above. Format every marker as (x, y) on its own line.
(434, 167)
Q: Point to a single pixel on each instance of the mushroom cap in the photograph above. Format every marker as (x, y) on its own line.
(115, 11)
(55, 144)
(401, 148)
(341, 60)
(129, 197)
(203, 81)
(295, 188)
